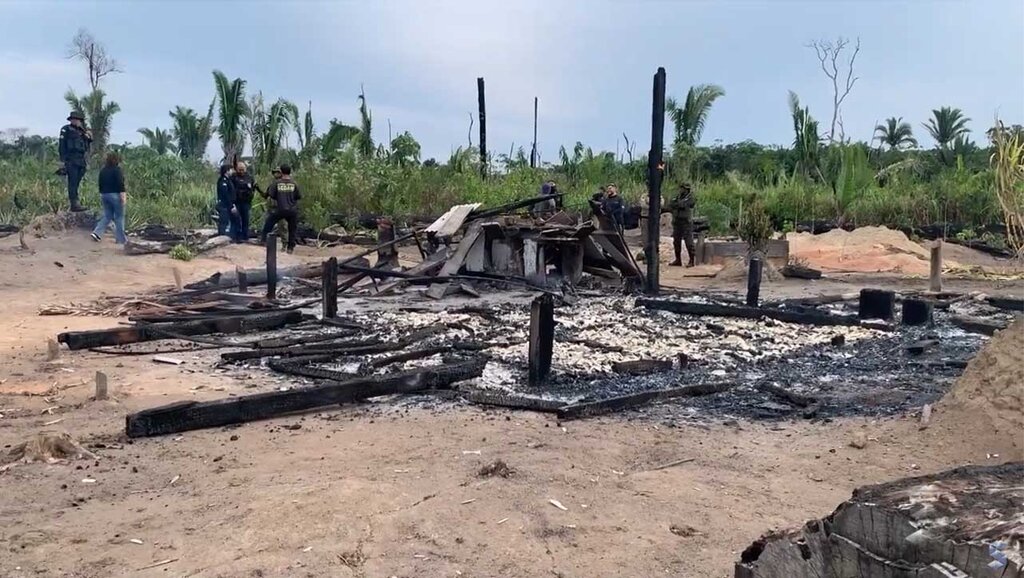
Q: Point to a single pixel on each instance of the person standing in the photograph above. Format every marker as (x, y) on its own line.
(681, 208)
(73, 148)
(227, 214)
(113, 198)
(613, 207)
(285, 194)
(245, 191)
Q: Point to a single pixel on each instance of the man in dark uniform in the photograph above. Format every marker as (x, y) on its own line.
(285, 194)
(245, 191)
(681, 208)
(613, 207)
(74, 148)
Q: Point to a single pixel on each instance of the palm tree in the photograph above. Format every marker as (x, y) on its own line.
(267, 128)
(191, 131)
(896, 134)
(806, 140)
(98, 116)
(232, 110)
(364, 140)
(690, 119)
(337, 137)
(308, 139)
(946, 125)
(158, 139)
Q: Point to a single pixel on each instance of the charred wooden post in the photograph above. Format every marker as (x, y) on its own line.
(754, 282)
(243, 280)
(655, 169)
(876, 304)
(483, 126)
(272, 266)
(190, 415)
(533, 149)
(917, 312)
(388, 252)
(330, 288)
(935, 278)
(542, 339)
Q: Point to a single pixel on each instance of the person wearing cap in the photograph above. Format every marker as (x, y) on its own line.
(285, 194)
(227, 212)
(681, 208)
(73, 148)
(546, 208)
(245, 191)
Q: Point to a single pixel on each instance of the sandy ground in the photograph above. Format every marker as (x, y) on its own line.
(375, 490)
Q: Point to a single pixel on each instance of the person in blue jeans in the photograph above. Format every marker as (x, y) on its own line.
(112, 197)
(228, 222)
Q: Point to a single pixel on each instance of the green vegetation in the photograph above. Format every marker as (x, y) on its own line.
(345, 173)
(182, 252)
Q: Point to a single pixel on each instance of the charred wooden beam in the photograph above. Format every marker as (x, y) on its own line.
(642, 366)
(153, 332)
(604, 406)
(1008, 303)
(425, 352)
(920, 346)
(977, 325)
(271, 266)
(754, 282)
(790, 397)
(801, 317)
(542, 339)
(354, 347)
(792, 271)
(191, 415)
(510, 400)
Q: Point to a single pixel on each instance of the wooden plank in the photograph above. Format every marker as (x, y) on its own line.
(272, 266)
(977, 324)
(353, 347)
(600, 407)
(428, 266)
(191, 415)
(754, 282)
(454, 263)
(500, 398)
(572, 263)
(153, 332)
(501, 256)
(935, 269)
(542, 339)
(608, 241)
(1008, 303)
(476, 260)
(449, 223)
(800, 317)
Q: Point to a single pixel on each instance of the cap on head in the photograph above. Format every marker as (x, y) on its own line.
(684, 187)
(76, 115)
(285, 169)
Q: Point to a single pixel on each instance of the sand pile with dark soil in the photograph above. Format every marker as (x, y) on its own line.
(991, 390)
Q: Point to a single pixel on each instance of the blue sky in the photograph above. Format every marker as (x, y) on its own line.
(590, 63)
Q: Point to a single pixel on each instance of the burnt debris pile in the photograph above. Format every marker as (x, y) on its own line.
(466, 324)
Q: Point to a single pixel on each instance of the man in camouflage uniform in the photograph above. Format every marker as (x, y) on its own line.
(73, 148)
(681, 208)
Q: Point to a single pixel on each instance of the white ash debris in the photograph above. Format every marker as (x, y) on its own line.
(723, 344)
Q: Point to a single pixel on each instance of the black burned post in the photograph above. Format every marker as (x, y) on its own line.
(242, 279)
(272, 266)
(542, 339)
(655, 170)
(533, 149)
(330, 288)
(483, 126)
(754, 281)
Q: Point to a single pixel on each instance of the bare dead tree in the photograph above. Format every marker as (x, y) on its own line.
(629, 147)
(830, 56)
(469, 134)
(84, 47)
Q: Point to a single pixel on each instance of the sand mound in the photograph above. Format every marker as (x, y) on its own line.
(991, 390)
(60, 222)
(46, 447)
(736, 270)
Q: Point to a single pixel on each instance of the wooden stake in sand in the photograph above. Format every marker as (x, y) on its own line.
(178, 284)
(101, 386)
(935, 279)
(52, 349)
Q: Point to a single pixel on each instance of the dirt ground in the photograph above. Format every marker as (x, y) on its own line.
(379, 490)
